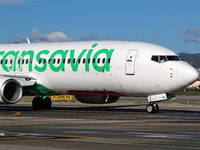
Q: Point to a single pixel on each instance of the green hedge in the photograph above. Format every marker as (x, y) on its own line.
(195, 92)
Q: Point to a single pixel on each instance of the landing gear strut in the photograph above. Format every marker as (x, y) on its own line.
(152, 108)
(39, 103)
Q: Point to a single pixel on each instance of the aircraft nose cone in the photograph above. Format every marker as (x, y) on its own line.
(186, 74)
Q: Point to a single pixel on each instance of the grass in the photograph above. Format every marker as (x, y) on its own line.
(189, 92)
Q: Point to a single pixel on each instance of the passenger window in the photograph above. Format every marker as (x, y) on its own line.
(18, 61)
(49, 61)
(88, 61)
(26, 61)
(6, 61)
(54, 61)
(103, 61)
(79, 61)
(68, 61)
(163, 59)
(93, 61)
(11, 61)
(44, 61)
(63, 61)
(23, 61)
(31, 61)
(74, 60)
(83, 60)
(108, 60)
(1, 61)
(98, 60)
(58, 61)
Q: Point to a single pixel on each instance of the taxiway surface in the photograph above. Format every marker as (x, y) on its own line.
(115, 126)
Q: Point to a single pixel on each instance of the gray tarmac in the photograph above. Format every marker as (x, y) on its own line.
(116, 126)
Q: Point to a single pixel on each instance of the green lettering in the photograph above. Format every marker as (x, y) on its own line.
(10, 61)
(39, 58)
(87, 68)
(61, 67)
(2, 52)
(75, 64)
(86, 62)
(106, 66)
(31, 55)
(94, 45)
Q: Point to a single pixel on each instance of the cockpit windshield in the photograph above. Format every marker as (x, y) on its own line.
(162, 58)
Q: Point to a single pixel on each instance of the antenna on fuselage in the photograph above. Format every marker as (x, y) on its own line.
(28, 41)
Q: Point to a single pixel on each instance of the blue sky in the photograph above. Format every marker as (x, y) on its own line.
(174, 24)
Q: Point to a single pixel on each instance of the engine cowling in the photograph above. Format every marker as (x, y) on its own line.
(10, 91)
(96, 99)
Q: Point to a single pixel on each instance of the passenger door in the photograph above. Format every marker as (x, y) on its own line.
(130, 62)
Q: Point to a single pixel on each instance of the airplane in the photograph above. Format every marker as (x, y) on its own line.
(96, 72)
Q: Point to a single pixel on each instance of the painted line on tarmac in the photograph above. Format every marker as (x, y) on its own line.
(140, 134)
(143, 111)
(13, 137)
(91, 111)
(15, 113)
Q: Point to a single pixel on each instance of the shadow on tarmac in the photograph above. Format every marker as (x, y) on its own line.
(110, 109)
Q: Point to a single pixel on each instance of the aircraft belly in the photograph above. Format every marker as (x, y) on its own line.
(102, 83)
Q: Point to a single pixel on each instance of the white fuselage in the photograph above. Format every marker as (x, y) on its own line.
(114, 67)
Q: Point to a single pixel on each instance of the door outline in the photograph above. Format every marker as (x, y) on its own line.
(10, 63)
(19, 63)
(130, 61)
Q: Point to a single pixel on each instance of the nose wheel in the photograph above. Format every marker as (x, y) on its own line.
(152, 108)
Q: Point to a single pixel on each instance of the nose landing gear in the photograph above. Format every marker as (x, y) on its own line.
(152, 108)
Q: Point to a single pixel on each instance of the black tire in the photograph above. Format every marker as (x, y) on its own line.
(46, 103)
(37, 103)
(156, 108)
(150, 108)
